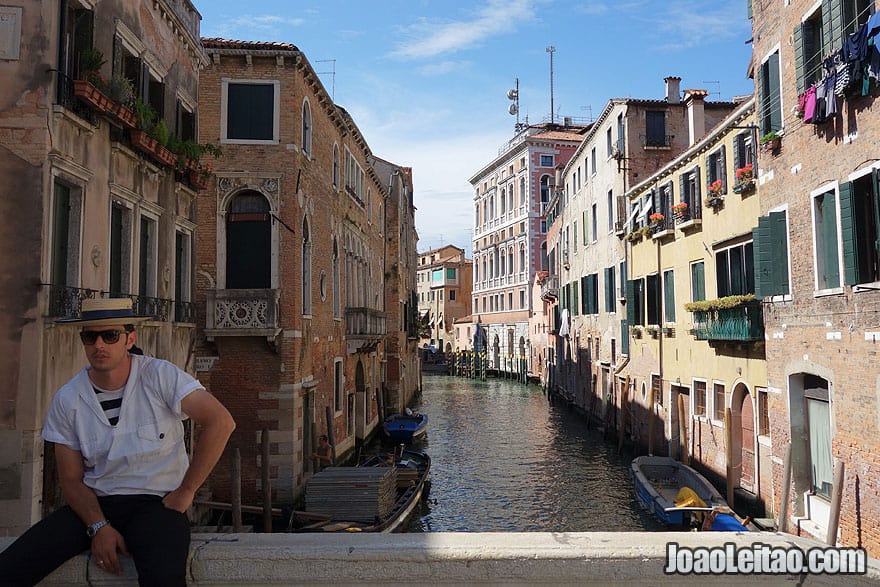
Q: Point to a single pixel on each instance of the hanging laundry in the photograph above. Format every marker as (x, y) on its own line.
(855, 46)
(809, 104)
(843, 73)
(831, 108)
(819, 114)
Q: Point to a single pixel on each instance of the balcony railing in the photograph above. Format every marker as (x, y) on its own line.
(66, 98)
(243, 312)
(364, 324)
(743, 323)
(66, 302)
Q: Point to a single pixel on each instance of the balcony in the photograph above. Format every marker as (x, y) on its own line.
(364, 329)
(66, 302)
(743, 323)
(550, 288)
(243, 312)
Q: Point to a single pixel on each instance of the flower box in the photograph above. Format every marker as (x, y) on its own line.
(92, 96)
(125, 116)
(164, 156)
(771, 145)
(196, 179)
(715, 201)
(744, 187)
(142, 142)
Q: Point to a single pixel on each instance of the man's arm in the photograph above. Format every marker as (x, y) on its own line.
(84, 502)
(216, 426)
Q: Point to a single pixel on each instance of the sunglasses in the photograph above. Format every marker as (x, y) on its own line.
(90, 337)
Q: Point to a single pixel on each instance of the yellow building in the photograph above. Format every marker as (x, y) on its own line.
(697, 372)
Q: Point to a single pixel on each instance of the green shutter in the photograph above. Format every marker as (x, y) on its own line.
(799, 57)
(594, 294)
(737, 141)
(630, 292)
(669, 296)
(761, 248)
(586, 232)
(876, 201)
(829, 240)
(624, 337)
(723, 156)
(749, 8)
(584, 309)
(761, 105)
(848, 234)
(775, 101)
(779, 253)
(575, 308)
(832, 26)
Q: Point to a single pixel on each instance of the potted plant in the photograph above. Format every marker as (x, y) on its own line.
(656, 219)
(771, 141)
(714, 195)
(744, 179)
(91, 85)
(121, 91)
(681, 211)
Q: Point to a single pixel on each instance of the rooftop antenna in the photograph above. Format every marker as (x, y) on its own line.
(717, 84)
(332, 73)
(513, 109)
(551, 50)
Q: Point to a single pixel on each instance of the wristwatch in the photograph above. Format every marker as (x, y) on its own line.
(92, 529)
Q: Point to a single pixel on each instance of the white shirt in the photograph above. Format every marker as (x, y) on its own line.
(144, 452)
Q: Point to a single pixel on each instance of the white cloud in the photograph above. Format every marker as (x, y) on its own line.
(263, 27)
(443, 67)
(429, 39)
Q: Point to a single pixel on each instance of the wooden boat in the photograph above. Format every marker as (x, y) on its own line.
(405, 427)
(409, 472)
(660, 482)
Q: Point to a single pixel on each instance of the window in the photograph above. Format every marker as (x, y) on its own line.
(338, 383)
(763, 415)
(698, 281)
(451, 295)
(337, 306)
(769, 95)
(621, 135)
(120, 250)
(306, 269)
(593, 160)
(545, 188)
(652, 291)
(522, 191)
(860, 228)
(669, 296)
(718, 401)
(635, 302)
(574, 231)
(510, 300)
(522, 299)
(575, 307)
(503, 201)
(182, 276)
(826, 259)
(185, 123)
(610, 210)
(590, 287)
(147, 254)
(657, 388)
(689, 193)
(594, 219)
(655, 129)
(610, 301)
(609, 147)
(818, 425)
(66, 220)
(546, 160)
(76, 37)
(735, 271)
(336, 169)
(808, 50)
(354, 177)
(251, 112)
(743, 150)
(699, 398)
(716, 169)
(771, 255)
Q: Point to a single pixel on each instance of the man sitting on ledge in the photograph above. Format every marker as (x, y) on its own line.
(122, 463)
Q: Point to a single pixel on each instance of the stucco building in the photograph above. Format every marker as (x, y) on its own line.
(91, 210)
(444, 278)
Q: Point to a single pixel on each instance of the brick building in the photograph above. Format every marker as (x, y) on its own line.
(444, 277)
(90, 211)
(292, 264)
(820, 276)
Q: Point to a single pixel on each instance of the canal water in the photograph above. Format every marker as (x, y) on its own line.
(504, 459)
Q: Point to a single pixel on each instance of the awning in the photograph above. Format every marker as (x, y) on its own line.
(632, 216)
(647, 204)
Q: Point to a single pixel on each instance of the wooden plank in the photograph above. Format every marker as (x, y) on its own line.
(250, 509)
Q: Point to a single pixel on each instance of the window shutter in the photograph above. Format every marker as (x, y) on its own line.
(749, 9)
(737, 141)
(848, 234)
(683, 196)
(762, 107)
(761, 246)
(584, 309)
(779, 253)
(83, 38)
(799, 57)
(594, 294)
(877, 209)
(586, 235)
(630, 301)
(722, 156)
(575, 308)
(669, 296)
(696, 197)
(829, 238)
(624, 337)
(775, 102)
(832, 25)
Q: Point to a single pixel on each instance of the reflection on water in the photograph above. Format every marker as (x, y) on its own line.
(503, 459)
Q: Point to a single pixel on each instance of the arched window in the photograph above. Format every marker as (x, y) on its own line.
(336, 167)
(502, 265)
(522, 191)
(306, 129)
(337, 308)
(522, 258)
(248, 242)
(503, 201)
(545, 188)
(306, 269)
(510, 260)
(510, 197)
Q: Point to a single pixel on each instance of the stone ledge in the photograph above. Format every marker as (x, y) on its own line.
(450, 558)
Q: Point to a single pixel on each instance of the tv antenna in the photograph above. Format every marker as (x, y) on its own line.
(332, 73)
(717, 84)
(551, 50)
(513, 109)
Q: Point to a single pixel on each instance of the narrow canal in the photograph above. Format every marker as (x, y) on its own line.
(504, 459)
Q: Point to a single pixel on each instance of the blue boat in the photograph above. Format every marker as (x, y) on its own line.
(659, 483)
(405, 427)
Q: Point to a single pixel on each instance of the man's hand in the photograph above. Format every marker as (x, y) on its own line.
(179, 500)
(106, 546)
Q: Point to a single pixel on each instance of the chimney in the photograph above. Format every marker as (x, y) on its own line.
(694, 101)
(672, 85)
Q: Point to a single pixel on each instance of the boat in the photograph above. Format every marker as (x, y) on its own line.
(347, 487)
(672, 491)
(404, 428)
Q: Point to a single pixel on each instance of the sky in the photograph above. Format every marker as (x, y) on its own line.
(426, 81)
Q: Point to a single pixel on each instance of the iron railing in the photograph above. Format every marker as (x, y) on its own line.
(743, 323)
(66, 98)
(66, 302)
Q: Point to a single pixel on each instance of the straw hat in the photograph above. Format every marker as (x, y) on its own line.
(101, 312)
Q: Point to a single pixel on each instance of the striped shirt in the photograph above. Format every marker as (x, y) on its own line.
(111, 402)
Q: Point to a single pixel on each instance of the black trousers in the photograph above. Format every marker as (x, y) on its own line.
(156, 537)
